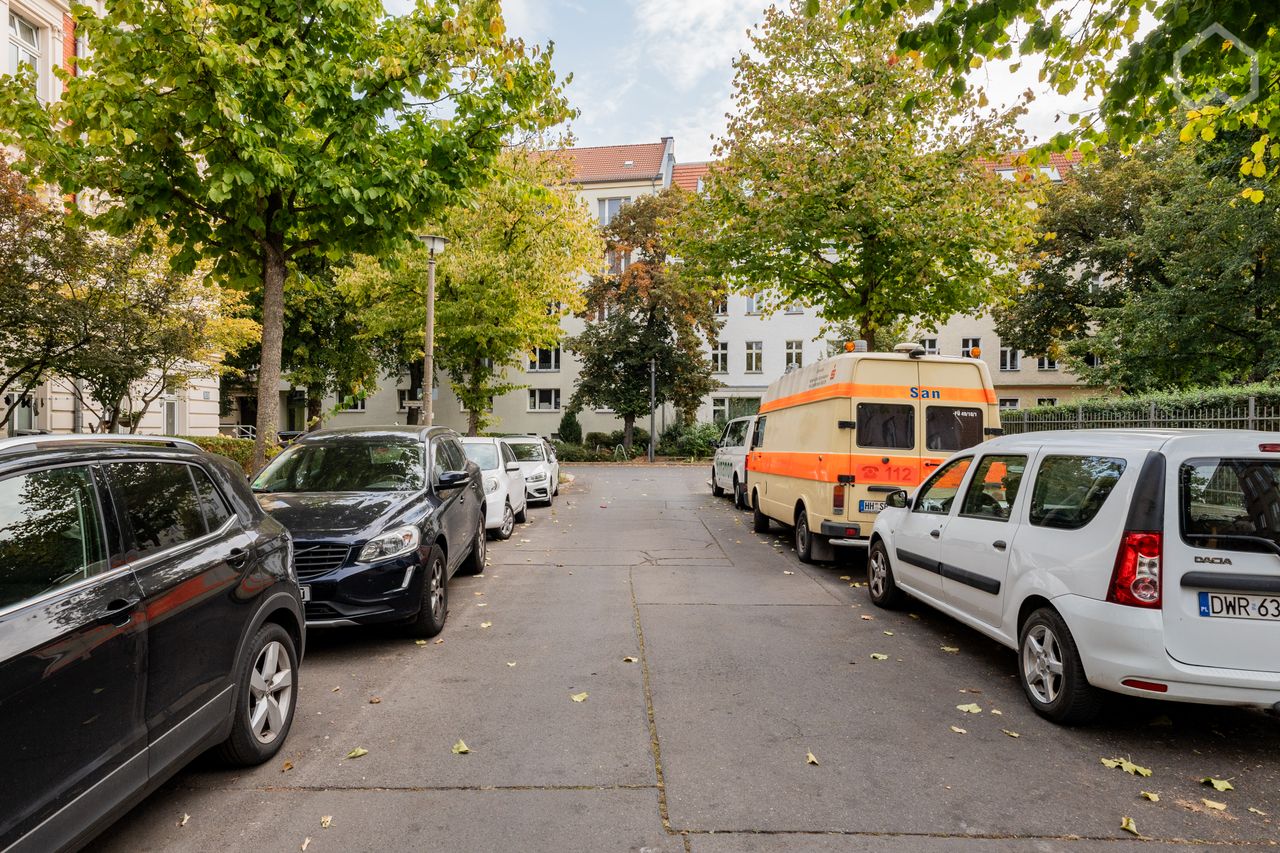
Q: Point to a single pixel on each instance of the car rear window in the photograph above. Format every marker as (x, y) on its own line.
(952, 427)
(1069, 490)
(1230, 504)
(528, 451)
(886, 425)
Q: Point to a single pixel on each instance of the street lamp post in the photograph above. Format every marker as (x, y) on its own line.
(653, 404)
(435, 245)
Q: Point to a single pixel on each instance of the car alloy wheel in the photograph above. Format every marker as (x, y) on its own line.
(878, 574)
(270, 692)
(1042, 667)
(508, 523)
(435, 590)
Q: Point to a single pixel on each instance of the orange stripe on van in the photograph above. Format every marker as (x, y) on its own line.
(866, 468)
(890, 392)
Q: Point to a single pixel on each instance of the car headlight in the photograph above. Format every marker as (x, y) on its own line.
(537, 476)
(392, 543)
(490, 486)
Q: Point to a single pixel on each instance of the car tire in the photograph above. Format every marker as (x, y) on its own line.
(523, 515)
(1045, 644)
(739, 494)
(261, 719)
(551, 498)
(881, 587)
(803, 537)
(503, 532)
(717, 490)
(435, 598)
(759, 521)
(473, 564)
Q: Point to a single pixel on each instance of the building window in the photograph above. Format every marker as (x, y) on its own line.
(720, 357)
(722, 306)
(351, 404)
(755, 357)
(609, 208)
(24, 46)
(544, 360)
(617, 262)
(795, 354)
(1046, 401)
(1047, 363)
(405, 396)
(929, 345)
(795, 308)
(1008, 403)
(1010, 358)
(970, 347)
(1092, 359)
(727, 408)
(752, 308)
(719, 409)
(544, 399)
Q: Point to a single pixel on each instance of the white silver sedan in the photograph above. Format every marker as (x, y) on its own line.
(505, 499)
(541, 468)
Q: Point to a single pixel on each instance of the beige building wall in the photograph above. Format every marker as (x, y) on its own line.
(52, 408)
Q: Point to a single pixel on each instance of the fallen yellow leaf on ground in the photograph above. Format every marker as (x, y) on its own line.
(1218, 784)
(1258, 812)
(420, 642)
(486, 624)
(950, 649)
(971, 708)
(959, 730)
(1127, 824)
(288, 765)
(326, 821)
(511, 663)
(375, 700)
(888, 633)
(357, 752)
(629, 659)
(1213, 804)
(878, 656)
(461, 748)
(1151, 795)
(579, 697)
(810, 758)
(1011, 734)
(1126, 765)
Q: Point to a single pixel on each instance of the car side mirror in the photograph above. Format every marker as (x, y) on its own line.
(898, 499)
(513, 467)
(452, 480)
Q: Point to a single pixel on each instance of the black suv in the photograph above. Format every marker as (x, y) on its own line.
(382, 518)
(147, 612)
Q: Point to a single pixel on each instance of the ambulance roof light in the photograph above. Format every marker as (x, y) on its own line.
(855, 346)
(911, 348)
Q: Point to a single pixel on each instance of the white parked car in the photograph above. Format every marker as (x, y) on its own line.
(505, 502)
(538, 462)
(729, 466)
(1144, 562)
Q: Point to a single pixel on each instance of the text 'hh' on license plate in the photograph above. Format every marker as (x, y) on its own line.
(306, 592)
(1232, 606)
(870, 506)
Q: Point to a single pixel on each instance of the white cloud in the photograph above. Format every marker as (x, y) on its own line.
(686, 40)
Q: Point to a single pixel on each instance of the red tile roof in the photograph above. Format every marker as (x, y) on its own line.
(687, 175)
(609, 162)
(1063, 161)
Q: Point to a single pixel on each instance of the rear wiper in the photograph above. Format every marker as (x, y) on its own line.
(1269, 544)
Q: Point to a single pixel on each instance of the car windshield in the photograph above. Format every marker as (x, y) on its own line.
(527, 451)
(484, 455)
(346, 465)
(1231, 504)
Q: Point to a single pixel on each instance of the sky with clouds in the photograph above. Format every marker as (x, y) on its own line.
(644, 69)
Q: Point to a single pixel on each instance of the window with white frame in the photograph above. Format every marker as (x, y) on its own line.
(1092, 359)
(968, 345)
(24, 46)
(929, 345)
(755, 357)
(795, 354)
(1047, 363)
(405, 396)
(1010, 358)
(722, 306)
(720, 357)
(719, 409)
(544, 399)
(752, 308)
(795, 308)
(609, 208)
(1046, 401)
(544, 360)
(1008, 402)
(351, 404)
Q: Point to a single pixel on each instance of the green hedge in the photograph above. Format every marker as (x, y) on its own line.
(577, 453)
(1166, 402)
(238, 450)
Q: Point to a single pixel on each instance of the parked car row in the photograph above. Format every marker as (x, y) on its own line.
(1142, 562)
(154, 605)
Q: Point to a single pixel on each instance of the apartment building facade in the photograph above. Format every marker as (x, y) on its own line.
(40, 35)
(752, 349)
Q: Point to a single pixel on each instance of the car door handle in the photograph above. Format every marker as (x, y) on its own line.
(999, 544)
(119, 611)
(932, 464)
(237, 557)
(935, 533)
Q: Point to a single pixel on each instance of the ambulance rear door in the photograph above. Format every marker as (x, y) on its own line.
(883, 445)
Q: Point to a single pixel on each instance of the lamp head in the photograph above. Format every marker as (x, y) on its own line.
(434, 243)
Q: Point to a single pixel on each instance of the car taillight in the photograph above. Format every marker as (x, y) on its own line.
(1136, 579)
(837, 500)
(1269, 448)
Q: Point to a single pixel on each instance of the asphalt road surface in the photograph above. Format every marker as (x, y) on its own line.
(713, 663)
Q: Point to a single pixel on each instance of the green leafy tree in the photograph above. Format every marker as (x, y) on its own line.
(828, 192)
(1152, 273)
(645, 309)
(1144, 83)
(258, 133)
(511, 271)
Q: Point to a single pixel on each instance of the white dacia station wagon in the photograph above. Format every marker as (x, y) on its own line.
(1144, 562)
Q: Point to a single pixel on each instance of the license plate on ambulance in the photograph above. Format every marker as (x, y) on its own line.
(1232, 606)
(870, 506)
(306, 593)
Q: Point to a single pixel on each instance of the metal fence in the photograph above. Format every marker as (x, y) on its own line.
(1244, 415)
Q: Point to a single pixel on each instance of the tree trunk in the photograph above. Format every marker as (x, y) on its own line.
(628, 430)
(867, 331)
(273, 271)
(473, 423)
(314, 421)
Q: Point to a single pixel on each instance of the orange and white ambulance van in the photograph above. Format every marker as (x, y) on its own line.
(834, 438)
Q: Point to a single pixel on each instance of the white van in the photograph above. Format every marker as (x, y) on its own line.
(728, 467)
(1144, 562)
